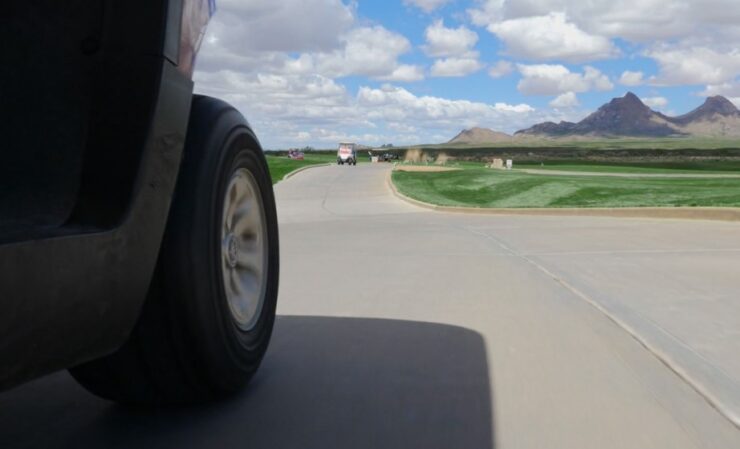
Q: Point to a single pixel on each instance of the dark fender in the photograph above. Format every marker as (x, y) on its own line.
(68, 299)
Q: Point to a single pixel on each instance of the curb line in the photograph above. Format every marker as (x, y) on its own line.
(298, 170)
(731, 214)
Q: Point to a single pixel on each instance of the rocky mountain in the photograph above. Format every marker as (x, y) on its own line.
(711, 109)
(717, 117)
(548, 129)
(628, 116)
(479, 136)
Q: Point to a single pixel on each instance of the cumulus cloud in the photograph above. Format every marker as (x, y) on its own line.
(501, 69)
(369, 51)
(555, 79)
(395, 103)
(694, 65)
(728, 89)
(551, 37)
(280, 63)
(303, 25)
(632, 20)
(433, 118)
(630, 78)
(566, 100)
(656, 102)
(404, 73)
(303, 37)
(454, 49)
(426, 5)
(692, 41)
(442, 41)
(449, 67)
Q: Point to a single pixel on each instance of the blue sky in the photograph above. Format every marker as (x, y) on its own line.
(313, 72)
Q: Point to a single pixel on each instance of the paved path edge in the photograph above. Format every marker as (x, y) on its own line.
(290, 174)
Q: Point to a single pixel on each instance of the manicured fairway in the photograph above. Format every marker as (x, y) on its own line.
(635, 167)
(498, 188)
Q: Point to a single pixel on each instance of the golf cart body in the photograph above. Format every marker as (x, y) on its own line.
(94, 121)
(295, 155)
(347, 154)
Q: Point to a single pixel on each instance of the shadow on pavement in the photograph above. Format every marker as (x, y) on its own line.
(325, 383)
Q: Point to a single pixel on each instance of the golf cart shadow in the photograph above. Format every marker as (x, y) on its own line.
(333, 383)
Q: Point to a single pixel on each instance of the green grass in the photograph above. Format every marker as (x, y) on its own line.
(280, 165)
(714, 167)
(498, 188)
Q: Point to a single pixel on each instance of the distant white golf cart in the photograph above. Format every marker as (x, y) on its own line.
(347, 154)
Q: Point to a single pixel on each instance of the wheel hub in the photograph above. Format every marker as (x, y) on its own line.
(232, 250)
(244, 249)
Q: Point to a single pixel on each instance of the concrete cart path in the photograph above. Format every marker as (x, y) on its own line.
(528, 285)
(402, 328)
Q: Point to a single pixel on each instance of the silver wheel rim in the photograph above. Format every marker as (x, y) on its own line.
(244, 249)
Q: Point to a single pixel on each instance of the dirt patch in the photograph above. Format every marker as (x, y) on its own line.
(413, 155)
(442, 159)
(427, 168)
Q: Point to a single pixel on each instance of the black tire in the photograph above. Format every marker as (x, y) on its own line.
(187, 346)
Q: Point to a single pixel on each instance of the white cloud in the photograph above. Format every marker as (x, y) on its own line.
(454, 48)
(369, 51)
(729, 89)
(404, 73)
(303, 25)
(442, 41)
(694, 65)
(691, 41)
(656, 102)
(551, 37)
(517, 108)
(549, 79)
(630, 78)
(303, 136)
(500, 69)
(450, 67)
(566, 100)
(398, 104)
(632, 20)
(487, 12)
(261, 36)
(284, 77)
(434, 119)
(426, 5)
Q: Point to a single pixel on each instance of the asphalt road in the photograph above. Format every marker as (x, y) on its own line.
(401, 327)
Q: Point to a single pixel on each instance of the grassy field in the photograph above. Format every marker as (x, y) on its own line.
(480, 187)
(711, 167)
(281, 165)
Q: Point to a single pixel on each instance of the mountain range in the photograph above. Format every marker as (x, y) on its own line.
(479, 135)
(628, 116)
